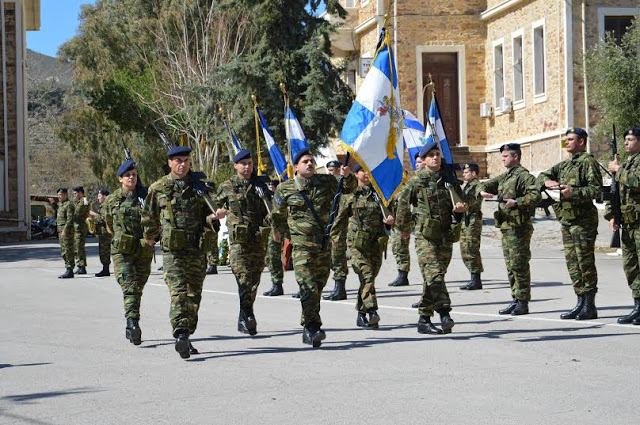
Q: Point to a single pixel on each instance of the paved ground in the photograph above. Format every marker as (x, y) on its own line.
(64, 359)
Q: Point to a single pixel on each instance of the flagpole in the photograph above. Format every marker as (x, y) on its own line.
(230, 145)
(261, 167)
(285, 97)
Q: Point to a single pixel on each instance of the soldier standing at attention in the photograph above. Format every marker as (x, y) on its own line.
(435, 233)
(239, 201)
(131, 254)
(80, 214)
(64, 221)
(303, 205)
(104, 237)
(174, 206)
(628, 177)
(580, 182)
(274, 258)
(362, 219)
(518, 196)
(472, 226)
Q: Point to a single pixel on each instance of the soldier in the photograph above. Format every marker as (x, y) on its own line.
(435, 233)
(274, 258)
(472, 226)
(212, 257)
(518, 196)
(80, 214)
(131, 254)
(303, 205)
(362, 219)
(580, 182)
(238, 200)
(174, 206)
(628, 176)
(104, 237)
(64, 221)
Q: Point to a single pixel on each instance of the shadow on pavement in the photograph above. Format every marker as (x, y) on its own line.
(505, 302)
(28, 398)
(7, 365)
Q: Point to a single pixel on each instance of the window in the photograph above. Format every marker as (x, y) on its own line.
(617, 26)
(518, 66)
(350, 3)
(498, 71)
(539, 63)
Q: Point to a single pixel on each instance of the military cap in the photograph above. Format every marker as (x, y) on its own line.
(511, 147)
(104, 192)
(333, 163)
(633, 131)
(78, 189)
(471, 166)
(300, 154)
(126, 166)
(242, 154)
(429, 146)
(179, 151)
(63, 190)
(274, 182)
(357, 168)
(577, 131)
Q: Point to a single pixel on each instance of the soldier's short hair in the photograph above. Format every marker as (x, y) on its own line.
(513, 148)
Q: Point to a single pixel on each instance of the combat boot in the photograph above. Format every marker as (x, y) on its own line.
(182, 344)
(296, 295)
(589, 310)
(332, 293)
(475, 282)
(571, 314)
(68, 274)
(81, 270)
(193, 350)
(401, 280)
(133, 332)
(636, 321)
(104, 272)
(426, 327)
(362, 321)
(276, 290)
(629, 318)
(313, 335)
(509, 309)
(415, 305)
(374, 319)
(247, 323)
(446, 322)
(213, 269)
(522, 307)
(341, 293)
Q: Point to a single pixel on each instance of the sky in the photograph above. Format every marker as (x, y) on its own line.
(58, 23)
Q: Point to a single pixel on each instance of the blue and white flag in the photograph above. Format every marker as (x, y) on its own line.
(235, 143)
(277, 158)
(413, 133)
(372, 132)
(295, 136)
(435, 122)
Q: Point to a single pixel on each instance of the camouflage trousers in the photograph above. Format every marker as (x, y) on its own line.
(247, 264)
(366, 265)
(579, 250)
(184, 272)
(132, 273)
(470, 237)
(433, 258)
(339, 259)
(212, 256)
(104, 248)
(311, 266)
(400, 250)
(274, 261)
(224, 252)
(80, 238)
(517, 253)
(630, 253)
(67, 250)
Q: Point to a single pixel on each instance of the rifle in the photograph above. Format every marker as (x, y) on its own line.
(335, 205)
(614, 196)
(141, 191)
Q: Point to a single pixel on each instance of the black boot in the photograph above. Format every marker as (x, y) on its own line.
(332, 293)
(426, 327)
(182, 344)
(362, 321)
(81, 270)
(247, 323)
(571, 314)
(313, 336)
(213, 269)
(401, 280)
(629, 318)
(296, 295)
(276, 290)
(589, 310)
(68, 274)
(133, 332)
(193, 350)
(374, 319)
(475, 282)
(522, 307)
(636, 321)
(104, 272)
(509, 309)
(446, 322)
(415, 305)
(341, 293)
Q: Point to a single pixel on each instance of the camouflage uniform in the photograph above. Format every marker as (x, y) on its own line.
(104, 237)
(434, 235)
(274, 260)
(400, 245)
(471, 233)
(172, 204)
(578, 216)
(339, 254)
(515, 224)
(131, 254)
(64, 220)
(224, 252)
(212, 256)
(80, 214)
(311, 261)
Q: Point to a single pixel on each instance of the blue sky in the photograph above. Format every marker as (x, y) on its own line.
(58, 23)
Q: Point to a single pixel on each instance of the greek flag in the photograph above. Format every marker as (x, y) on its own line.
(277, 158)
(413, 133)
(295, 136)
(237, 146)
(435, 124)
(373, 128)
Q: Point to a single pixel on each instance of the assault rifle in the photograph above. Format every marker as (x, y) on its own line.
(141, 191)
(614, 195)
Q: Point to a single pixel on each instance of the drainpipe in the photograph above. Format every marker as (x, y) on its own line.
(584, 72)
(5, 195)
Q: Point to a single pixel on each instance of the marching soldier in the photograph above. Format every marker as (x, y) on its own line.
(362, 219)
(64, 221)
(104, 237)
(80, 214)
(303, 205)
(338, 252)
(580, 182)
(628, 177)
(212, 256)
(238, 199)
(472, 226)
(174, 206)
(274, 258)
(435, 233)
(131, 254)
(518, 195)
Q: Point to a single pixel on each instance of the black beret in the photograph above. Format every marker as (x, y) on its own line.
(333, 163)
(357, 168)
(63, 190)
(471, 166)
(300, 154)
(578, 131)
(633, 131)
(242, 154)
(274, 182)
(104, 192)
(511, 147)
(78, 189)
(126, 166)
(179, 151)
(429, 146)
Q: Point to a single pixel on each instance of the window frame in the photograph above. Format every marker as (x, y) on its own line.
(498, 43)
(518, 104)
(539, 97)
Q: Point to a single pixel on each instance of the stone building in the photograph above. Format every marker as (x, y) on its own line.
(17, 17)
(504, 70)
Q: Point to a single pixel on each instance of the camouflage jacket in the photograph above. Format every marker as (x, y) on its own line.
(121, 213)
(101, 228)
(64, 217)
(517, 183)
(290, 210)
(243, 204)
(80, 213)
(359, 212)
(628, 178)
(471, 197)
(582, 173)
